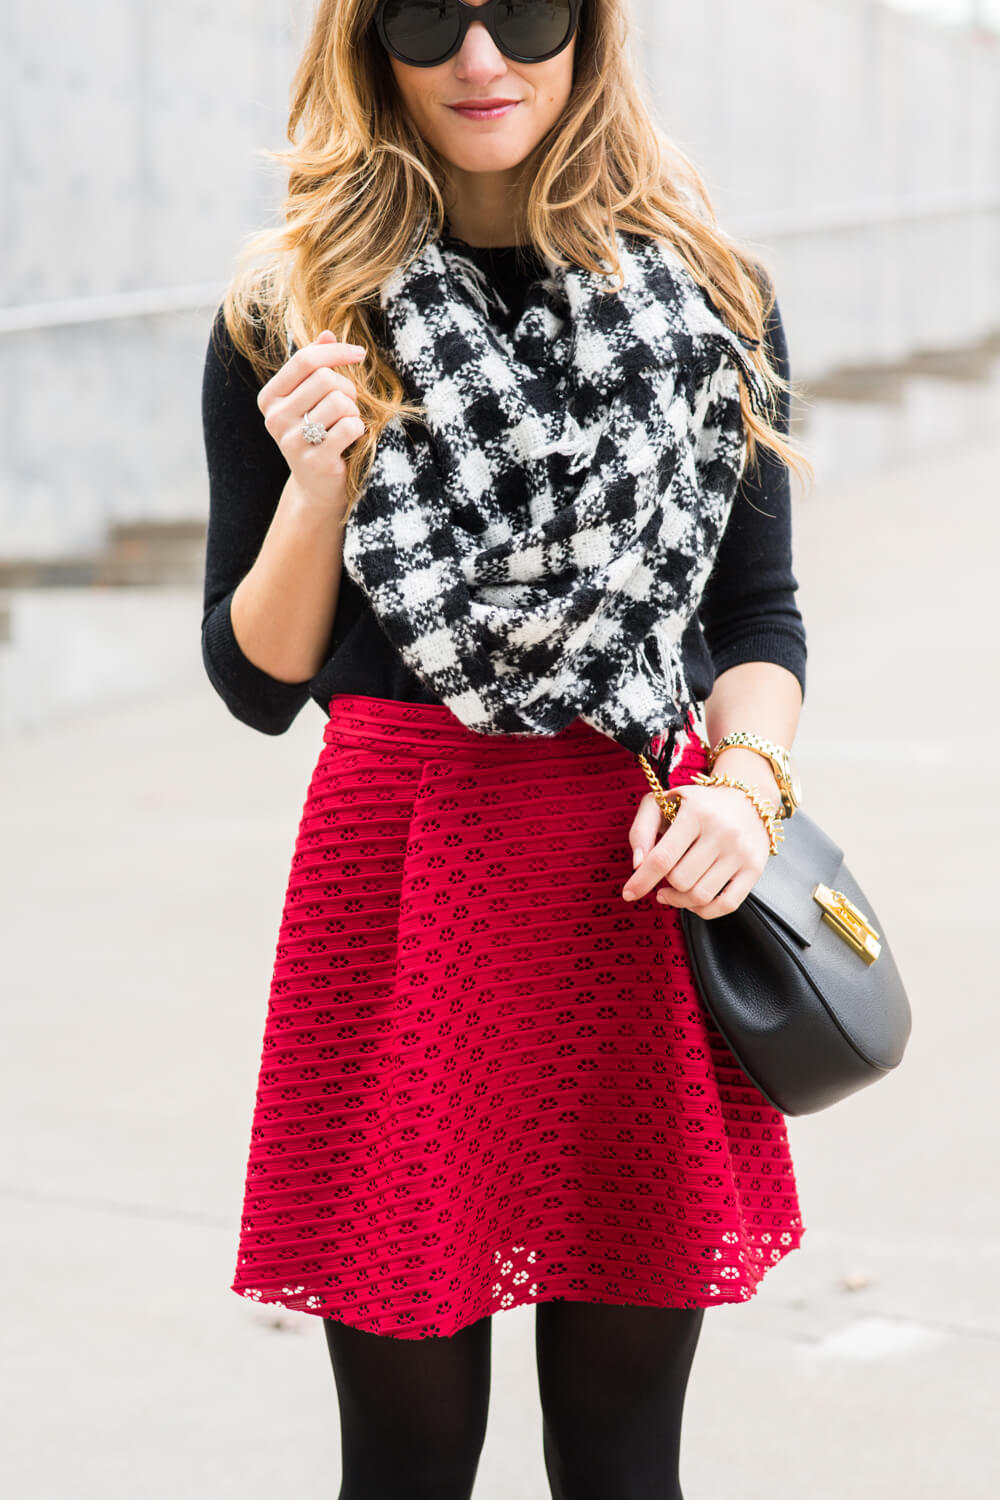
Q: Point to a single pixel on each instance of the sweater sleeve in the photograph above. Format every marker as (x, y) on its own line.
(246, 474)
(748, 610)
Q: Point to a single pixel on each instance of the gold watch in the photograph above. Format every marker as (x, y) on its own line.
(785, 773)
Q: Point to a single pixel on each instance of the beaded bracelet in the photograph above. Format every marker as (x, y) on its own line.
(772, 822)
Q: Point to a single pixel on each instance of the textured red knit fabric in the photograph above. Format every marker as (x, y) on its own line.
(486, 1079)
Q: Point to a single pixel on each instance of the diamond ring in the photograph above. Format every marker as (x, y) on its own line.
(313, 432)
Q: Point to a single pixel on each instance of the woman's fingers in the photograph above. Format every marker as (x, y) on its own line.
(729, 899)
(305, 362)
(698, 890)
(329, 406)
(331, 409)
(645, 828)
(283, 414)
(660, 853)
(325, 407)
(690, 878)
(339, 416)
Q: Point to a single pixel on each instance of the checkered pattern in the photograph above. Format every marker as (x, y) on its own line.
(536, 547)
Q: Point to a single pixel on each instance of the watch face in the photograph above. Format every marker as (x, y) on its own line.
(794, 782)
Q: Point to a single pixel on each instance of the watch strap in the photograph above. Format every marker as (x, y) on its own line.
(777, 755)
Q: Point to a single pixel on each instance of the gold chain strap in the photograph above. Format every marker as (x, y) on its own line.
(669, 807)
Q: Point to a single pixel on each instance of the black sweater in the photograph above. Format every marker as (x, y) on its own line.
(747, 612)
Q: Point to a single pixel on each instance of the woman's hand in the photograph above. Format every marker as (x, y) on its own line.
(309, 382)
(717, 840)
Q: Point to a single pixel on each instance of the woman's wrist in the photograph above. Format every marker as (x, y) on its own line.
(323, 511)
(748, 766)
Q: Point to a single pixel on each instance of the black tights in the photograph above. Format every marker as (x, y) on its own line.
(611, 1379)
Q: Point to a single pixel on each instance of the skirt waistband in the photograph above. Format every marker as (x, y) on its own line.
(431, 730)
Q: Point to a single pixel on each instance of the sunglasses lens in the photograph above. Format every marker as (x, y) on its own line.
(421, 30)
(532, 28)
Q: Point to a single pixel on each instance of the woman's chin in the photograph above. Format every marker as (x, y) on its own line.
(484, 155)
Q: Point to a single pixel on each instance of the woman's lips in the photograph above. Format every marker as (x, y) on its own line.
(485, 113)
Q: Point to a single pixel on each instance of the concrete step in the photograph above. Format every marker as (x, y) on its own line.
(137, 554)
(858, 420)
(885, 381)
(68, 651)
(152, 552)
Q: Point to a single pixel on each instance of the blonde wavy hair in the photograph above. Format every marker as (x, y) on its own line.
(362, 183)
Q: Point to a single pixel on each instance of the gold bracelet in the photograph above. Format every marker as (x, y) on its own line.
(772, 822)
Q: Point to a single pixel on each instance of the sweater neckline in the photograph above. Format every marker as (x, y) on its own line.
(455, 242)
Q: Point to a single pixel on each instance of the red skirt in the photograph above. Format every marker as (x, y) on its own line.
(486, 1079)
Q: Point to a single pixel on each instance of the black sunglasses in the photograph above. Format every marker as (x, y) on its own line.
(424, 33)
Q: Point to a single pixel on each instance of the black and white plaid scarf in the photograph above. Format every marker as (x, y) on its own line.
(536, 550)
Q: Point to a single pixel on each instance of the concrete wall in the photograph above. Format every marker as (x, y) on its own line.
(132, 174)
(859, 148)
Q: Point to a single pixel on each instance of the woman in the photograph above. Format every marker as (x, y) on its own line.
(475, 418)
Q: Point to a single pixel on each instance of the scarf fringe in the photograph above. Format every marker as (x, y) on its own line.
(481, 291)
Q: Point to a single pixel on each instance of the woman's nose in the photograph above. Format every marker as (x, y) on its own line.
(479, 56)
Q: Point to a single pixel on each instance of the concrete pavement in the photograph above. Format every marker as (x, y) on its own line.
(145, 851)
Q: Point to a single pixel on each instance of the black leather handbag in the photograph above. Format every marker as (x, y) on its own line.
(799, 979)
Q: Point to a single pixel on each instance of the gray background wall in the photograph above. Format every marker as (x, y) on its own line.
(860, 147)
(130, 176)
(857, 146)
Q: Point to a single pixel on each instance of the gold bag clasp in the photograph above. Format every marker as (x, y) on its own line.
(850, 923)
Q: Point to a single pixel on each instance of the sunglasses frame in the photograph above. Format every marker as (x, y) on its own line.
(466, 15)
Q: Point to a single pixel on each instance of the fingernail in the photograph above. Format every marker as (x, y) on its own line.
(628, 895)
(637, 858)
